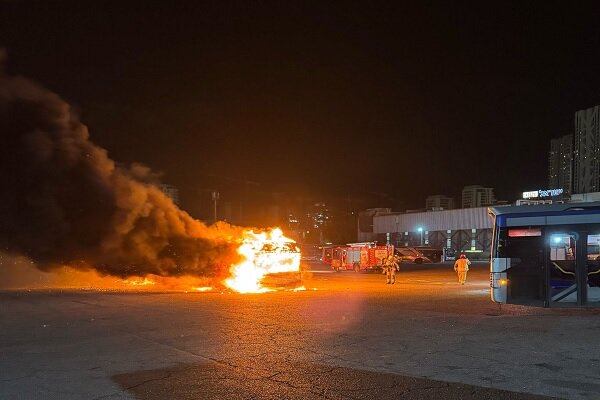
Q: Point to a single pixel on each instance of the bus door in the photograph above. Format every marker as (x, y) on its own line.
(564, 255)
(592, 272)
(519, 262)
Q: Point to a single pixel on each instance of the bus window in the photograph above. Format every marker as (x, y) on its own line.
(593, 247)
(562, 247)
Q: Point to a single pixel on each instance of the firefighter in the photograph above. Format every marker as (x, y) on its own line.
(390, 267)
(461, 266)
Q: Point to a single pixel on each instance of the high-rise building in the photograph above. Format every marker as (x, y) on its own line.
(477, 196)
(439, 202)
(586, 156)
(560, 164)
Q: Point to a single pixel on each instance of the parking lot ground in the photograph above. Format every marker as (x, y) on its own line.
(349, 335)
(297, 381)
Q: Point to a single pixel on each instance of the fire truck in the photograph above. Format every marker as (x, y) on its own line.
(356, 256)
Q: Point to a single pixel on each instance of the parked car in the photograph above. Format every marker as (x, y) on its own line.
(411, 255)
(434, 254)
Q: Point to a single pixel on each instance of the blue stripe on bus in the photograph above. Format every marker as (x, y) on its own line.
(501, 220)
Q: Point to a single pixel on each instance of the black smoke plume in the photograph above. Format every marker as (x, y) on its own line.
(63, 201)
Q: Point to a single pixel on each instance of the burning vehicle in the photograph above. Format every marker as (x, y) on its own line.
(280, 280)
(270, 261)
(67, 204)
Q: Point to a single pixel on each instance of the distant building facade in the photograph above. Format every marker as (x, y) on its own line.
(468, 230)
(439, 202)
(477, 196)
(560, 164)
(586, 156)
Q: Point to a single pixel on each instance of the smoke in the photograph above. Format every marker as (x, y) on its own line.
(63, 201)
(2, 59)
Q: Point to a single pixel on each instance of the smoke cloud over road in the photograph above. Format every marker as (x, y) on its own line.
(63, 201)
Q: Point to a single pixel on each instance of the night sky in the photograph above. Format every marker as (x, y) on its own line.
(320, 98)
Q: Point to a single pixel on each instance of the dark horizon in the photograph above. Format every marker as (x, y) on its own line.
(316, 99)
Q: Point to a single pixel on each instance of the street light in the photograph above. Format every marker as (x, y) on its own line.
(420, 230)
(215, 197)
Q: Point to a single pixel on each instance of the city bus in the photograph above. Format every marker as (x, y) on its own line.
(546, 255)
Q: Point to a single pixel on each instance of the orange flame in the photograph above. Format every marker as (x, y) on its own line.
(203, 289)
(139, 282)
(263, 254)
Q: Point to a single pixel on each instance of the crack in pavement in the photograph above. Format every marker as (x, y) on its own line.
(148, 381)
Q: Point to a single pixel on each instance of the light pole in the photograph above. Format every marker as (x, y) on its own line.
(420, 230)
(215, 197)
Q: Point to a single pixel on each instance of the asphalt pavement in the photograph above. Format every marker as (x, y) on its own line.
(348, 336)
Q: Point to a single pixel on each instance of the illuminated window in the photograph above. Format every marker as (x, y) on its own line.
(524, 232)
(562, 247)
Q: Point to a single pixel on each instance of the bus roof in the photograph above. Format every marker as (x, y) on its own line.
(544, 209)
(550, 214)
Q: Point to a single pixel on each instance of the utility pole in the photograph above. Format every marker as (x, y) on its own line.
(215, 197)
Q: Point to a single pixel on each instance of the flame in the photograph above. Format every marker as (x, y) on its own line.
(263, 253)
(203, 289)
(139, 282)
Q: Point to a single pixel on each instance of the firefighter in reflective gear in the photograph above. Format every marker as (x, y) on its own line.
(461, 266)
(390, 267)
